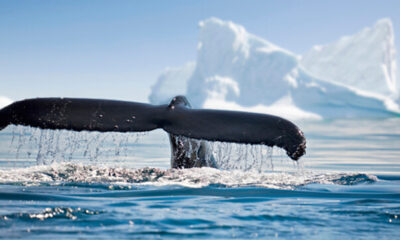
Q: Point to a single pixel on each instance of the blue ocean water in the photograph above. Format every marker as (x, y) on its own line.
(64, 185)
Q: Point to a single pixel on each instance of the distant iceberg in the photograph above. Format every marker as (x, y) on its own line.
(366, 60)
(353, 77)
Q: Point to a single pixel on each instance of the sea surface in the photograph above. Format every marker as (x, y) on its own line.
(66, 185)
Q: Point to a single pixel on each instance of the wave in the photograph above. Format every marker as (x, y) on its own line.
(58, 212)
(73, 173)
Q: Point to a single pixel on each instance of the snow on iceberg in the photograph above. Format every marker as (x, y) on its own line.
(239, 71)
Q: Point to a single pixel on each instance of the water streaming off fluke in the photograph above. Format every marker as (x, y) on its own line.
(59, 146)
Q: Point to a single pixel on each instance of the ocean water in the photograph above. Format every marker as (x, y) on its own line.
(66, 185)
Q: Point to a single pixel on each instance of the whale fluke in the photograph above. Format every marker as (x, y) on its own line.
(177, 119)
(82, 114)
(237, 127)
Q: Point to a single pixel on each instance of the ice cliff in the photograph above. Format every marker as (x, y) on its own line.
(353, 77)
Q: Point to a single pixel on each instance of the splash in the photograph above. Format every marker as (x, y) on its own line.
(48, 213)
(61, 173)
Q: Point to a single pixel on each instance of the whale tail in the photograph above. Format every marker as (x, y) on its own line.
(177, 118)
(236, 127)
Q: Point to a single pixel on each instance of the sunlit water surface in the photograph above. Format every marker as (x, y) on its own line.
(61, 184)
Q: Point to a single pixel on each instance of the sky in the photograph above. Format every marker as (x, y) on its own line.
(117, 49)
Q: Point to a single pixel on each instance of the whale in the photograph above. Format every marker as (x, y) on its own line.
(190, 130)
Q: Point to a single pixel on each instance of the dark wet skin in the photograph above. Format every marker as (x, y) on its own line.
(177, 119)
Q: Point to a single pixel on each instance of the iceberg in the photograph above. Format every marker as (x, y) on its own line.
(366, 60)
(237, 70)
(257, 66)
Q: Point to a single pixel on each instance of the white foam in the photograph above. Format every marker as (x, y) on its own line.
(58, 173)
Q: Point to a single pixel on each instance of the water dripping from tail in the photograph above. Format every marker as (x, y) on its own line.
(50, 146)
(188, 152)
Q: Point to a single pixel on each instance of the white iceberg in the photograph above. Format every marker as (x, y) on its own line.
(366, 60)
(239, 71)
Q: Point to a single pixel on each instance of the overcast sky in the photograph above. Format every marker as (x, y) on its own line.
(116, 49)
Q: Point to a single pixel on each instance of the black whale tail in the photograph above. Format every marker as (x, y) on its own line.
(233, 126)
(176, 118)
